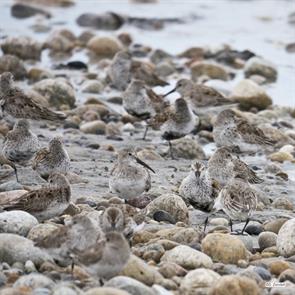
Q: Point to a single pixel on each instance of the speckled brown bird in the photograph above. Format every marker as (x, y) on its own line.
(14, 102)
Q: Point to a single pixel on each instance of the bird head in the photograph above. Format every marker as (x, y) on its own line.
(183, 87)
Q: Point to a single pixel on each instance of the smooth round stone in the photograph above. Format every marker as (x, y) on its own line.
(30, 266)
(283, 203)
(275, 225)
(33, 281)
(277, 267)
(287, 275)
(219, 221)
(267, 239)
(263, 272)
(105, 291)
(17, 222)
(254, 229)
(286, 239)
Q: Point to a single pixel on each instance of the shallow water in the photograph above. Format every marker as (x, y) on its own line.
(261, 26)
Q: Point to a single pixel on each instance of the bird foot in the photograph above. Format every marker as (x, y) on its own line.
(238, 232)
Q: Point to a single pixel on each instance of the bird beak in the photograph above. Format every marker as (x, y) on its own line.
(197, 173)
(113, 225)
(171, 91)
(144, 164)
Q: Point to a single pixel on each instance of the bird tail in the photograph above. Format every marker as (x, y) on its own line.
(49, 115)
(255, 179)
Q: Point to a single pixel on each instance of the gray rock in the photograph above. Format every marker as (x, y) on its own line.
(262, 67)
(212, 70)
(23, 47)
(57, 91)
(17, 222)
(65, 288)
(14, 248)
(21, 11)
(130, 285)
(34, 281)
(92, 86)
(61, 41)
(187, 257)
(286, 239)
(10, 186)
(247, 241)
(165, 69)
(11, 63)
(94, 127)
(30, 266)
(41, 231)
(267, 239)
(105, 291)
(263, 272)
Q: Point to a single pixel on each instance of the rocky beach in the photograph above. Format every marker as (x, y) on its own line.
(60, 53)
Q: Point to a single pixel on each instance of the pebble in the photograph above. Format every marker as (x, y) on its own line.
(283, 203)
(287, 275)
(61, 41)
(130, 285)
(254, 228)
(263, 272)
(267, 239)
(171, 269)
(277, 267)
(11, 63)
(92, 86)
(219, 221)
(17, 222)
(34, 281)
(30, 266)
(286, 239)
(274, 225)
(104, 46)
(210, 69)
(187, 257)
(281, 157)
(41, 231)
(199, 280)
(105, 291)
(94, 127)
(224, 248)
(250, 95)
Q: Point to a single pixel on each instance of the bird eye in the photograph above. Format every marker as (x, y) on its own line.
(129, 154)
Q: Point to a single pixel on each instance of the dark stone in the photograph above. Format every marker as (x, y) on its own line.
(24, 11)
(162, 215)
(254, 229)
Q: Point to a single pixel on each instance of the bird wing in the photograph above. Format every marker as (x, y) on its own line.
(34, 201)
(54, 240)
(243, 169)
(39, 157)
(252, 134)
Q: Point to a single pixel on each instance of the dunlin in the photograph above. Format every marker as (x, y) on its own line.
(52, 159)
(130, 176)
(224, 165)
(78, 234)
(197, 188)
(14, 102)
(20, 144)
(238, 200)
(113, 219)
(231, 130)
(119, 70)
(46, 202)
(199, 95)
(107, 257)
(180, 121)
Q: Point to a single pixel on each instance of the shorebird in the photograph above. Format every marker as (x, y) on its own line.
(107, 257)
(47, 202)
(230, 130)
(142, 102)
(238, 200)
(130, 176)
(119, 70)
(113, 219)
(78, 234)
(224, 165)
(177, 122)
(197, 188)
(20, 144)
(14, 102)
(52, 159)
(199, 95)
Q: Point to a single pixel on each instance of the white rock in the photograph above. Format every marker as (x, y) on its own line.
(198, 278)
(187, 257)
(17, 222)
(34, 281)
(286, 239)
(287, 149)
(92, 86)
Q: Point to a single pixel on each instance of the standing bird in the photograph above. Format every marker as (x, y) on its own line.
(4, 173)
(197, 188)
(130, 176)
(142, 102)
(238, 200)
(107, 257)
(199, 95)
(52, 159)
(47, 202)
(119, 70)
(20, 144)
(113, 219)
(224, 165)
(14, 102)
(230, 130)
(178, 121)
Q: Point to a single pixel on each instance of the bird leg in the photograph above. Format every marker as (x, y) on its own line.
(16, 174)
(246, 223)
(145, 131)
(231, 225)
(170, 150)
(205, 223)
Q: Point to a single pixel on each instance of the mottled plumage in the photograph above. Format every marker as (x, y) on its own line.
(130, 176)
(238, 200)
(224, 165)
(197, 188)
(5, 171)
(52, 159)
(14, 102)
(20, 144)
(231, 130)
(113, 219)
(46, 202)
(107, 257)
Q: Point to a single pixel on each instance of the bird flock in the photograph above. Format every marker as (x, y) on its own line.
(99, 242)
